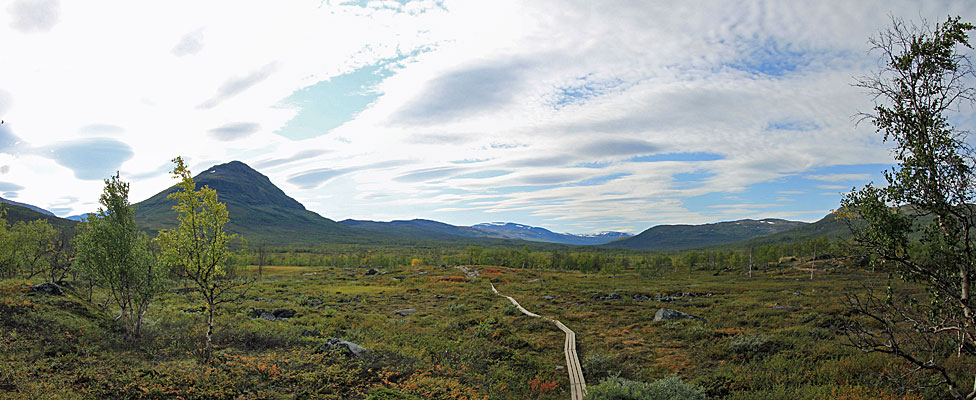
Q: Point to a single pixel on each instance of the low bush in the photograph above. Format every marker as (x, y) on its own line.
(670, 388)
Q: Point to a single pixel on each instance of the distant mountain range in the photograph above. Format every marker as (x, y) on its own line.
(523, 232)
(496, 230)
(263, 213)
(680, 237)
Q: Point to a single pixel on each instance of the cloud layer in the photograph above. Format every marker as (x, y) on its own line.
(574, 115)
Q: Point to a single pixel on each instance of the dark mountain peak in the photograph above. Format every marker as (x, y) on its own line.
(258, 209)
(239, 183)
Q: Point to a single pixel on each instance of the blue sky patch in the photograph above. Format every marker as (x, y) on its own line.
(328, 104)
(678, 157)
(792, 125)
(582, 90)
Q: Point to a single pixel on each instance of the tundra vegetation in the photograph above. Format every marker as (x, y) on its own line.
(192, 315)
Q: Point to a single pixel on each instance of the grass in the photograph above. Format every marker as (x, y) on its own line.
(463, 342)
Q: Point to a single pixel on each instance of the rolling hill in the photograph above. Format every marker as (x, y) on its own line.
(680, 237)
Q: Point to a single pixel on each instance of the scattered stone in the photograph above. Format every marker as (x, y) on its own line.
(640, 297)
(405, 312)
(272, 315)
(346, 346)
(372, 272)
(310, 273)
(437, 296)
(470, 272)
(422, 273)
(778, 306)
(350, 299)
(443, 266)
(667, 298)
(560, 368)
(609, 297)
(668, 314)
(47, 288)
(549, 297)
(398, 298)
(537, 281)
(396, 279)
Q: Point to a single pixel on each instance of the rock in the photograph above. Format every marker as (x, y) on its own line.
(549, 297)
(778, 306)
(372, 272)
(536, 281)
(345, 346)
(350, 275)
(443, 266)
(273, 315)
(667, 313)
(47, 288)
(422, 273)
(310, 274)
(405, 312)
(560, 368)
(611, 296)
(437, 296)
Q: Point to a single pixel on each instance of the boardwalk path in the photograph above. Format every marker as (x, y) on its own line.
(577, 385)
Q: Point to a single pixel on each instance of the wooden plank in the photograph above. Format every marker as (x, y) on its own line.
(577, 383)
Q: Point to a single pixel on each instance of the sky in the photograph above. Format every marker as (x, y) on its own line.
(577, 116)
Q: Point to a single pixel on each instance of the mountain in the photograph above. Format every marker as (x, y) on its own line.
(828, 226)
(258, 210)
(27, 206)
(680, 237)
(434, 230)
(15, 213)
(417, 228)
(509, 230)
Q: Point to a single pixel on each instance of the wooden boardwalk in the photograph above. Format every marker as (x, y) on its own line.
(577, 384)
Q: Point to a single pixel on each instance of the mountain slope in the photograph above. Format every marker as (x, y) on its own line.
(828, 226)
(258, 210)
(416, 228)
(15, 213)
(680, 237)
(27, 206)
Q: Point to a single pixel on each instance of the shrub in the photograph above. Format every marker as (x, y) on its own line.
(670, 388)
(749, 346)
(389, 394)
(597, 366)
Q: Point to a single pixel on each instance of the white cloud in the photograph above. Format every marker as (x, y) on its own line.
(538, 90)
